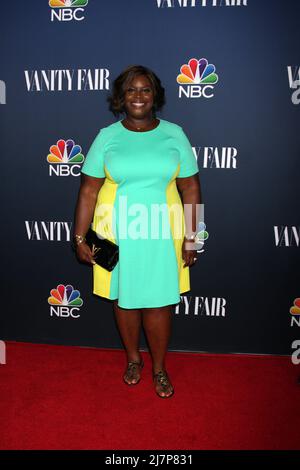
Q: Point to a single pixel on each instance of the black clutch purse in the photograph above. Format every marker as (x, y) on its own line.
(105, 252)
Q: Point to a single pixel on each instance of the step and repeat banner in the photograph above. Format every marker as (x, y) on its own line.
(232, 79)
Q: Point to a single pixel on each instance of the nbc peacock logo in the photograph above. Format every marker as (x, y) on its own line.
(65, 158)
(295, 312)
(67, 10)
(68, 3)
(197, 79)
(65, 301)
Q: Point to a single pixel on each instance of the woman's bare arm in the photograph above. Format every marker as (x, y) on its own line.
(190, 193)
(86, 201)
(84, 212)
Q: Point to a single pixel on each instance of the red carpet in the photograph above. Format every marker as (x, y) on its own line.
(62, 397)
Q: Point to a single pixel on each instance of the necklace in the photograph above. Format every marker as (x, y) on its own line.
(140, 128)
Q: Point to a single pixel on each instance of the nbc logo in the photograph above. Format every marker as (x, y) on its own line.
(295, 312)
(197, 79)
(67, 10)
(65, 302)
(64, 158)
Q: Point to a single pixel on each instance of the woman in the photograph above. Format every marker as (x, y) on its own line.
(140, 161)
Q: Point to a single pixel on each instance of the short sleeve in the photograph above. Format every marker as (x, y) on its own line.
(94, 160)
(188, 162)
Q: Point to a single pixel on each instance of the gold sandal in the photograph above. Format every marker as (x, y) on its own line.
(131, 371)
(161, 378)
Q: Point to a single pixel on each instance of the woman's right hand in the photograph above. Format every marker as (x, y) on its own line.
(84, 253)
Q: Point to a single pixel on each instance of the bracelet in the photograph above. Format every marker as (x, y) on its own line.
(79, 239)
(190, 237)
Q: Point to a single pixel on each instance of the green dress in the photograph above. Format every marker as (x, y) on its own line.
(139, 208)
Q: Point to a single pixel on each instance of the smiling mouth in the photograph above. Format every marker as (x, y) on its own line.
(138, 105)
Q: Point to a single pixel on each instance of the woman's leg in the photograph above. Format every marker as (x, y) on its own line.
(157, 326)
(129, 323)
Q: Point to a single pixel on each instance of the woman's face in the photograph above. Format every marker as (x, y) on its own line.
(138, 98)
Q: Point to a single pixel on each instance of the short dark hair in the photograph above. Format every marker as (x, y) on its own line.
(116, 99)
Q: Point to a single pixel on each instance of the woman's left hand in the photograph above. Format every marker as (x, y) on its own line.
(189, 256)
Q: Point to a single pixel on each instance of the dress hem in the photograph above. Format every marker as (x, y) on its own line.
(170, 302)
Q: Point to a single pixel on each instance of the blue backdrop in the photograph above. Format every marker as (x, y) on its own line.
(58, 63)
